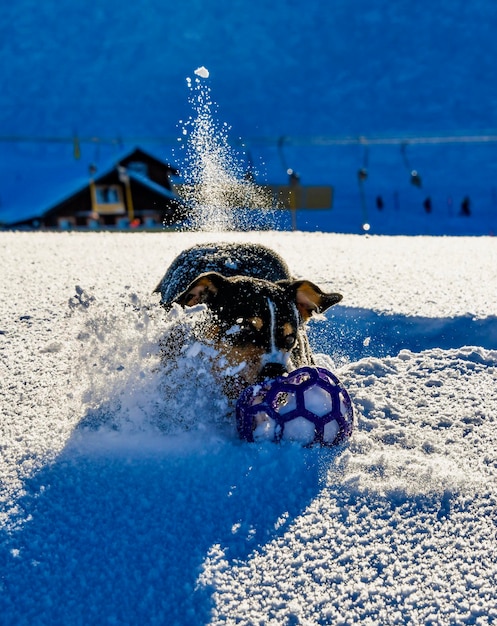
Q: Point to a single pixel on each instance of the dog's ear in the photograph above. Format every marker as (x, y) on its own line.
(202, 290)
(309, 298)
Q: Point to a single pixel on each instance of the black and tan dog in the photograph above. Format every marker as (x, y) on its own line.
(258, 310)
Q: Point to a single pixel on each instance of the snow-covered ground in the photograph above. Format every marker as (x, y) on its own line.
(127, 498)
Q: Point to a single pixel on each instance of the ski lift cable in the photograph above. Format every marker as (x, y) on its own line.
(278, 141)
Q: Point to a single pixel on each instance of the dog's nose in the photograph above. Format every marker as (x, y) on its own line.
(271, 370)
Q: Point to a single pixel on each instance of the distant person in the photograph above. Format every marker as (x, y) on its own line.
(379, 203)
(94, 221)
(466, 207)
(362, 174)
(427, 205)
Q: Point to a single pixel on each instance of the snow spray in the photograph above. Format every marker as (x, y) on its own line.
(121, 379)
(218, 185)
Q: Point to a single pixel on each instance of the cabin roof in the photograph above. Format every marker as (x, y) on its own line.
(143, 180)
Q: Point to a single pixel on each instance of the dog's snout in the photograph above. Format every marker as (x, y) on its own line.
(272, 370)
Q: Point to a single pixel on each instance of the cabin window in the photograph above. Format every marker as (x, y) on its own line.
(108, 194)
(66, 223)
(108, 199)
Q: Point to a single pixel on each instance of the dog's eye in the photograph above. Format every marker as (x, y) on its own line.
(290, 340)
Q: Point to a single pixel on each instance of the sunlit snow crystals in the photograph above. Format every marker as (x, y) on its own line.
(202, 71)
(215, 187)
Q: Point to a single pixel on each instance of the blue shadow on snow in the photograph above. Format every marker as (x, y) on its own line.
(352, 333)
(120, 537)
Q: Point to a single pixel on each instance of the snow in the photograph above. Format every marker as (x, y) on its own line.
(203, 72)
(126, 496)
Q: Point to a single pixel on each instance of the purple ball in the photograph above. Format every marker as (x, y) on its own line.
(309, 405)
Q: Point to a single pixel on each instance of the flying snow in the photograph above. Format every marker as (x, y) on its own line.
(203, 72)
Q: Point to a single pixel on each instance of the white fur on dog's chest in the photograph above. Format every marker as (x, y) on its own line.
(276, 355)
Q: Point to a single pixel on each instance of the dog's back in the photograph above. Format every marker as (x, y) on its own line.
(229, 259)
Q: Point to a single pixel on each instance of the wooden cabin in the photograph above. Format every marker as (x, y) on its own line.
(136, 190)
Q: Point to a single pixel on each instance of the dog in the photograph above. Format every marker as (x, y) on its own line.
(259, 312)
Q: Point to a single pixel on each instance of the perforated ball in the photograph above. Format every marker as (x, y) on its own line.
(309, 405)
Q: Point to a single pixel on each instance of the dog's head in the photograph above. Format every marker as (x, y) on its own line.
(256, 323)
